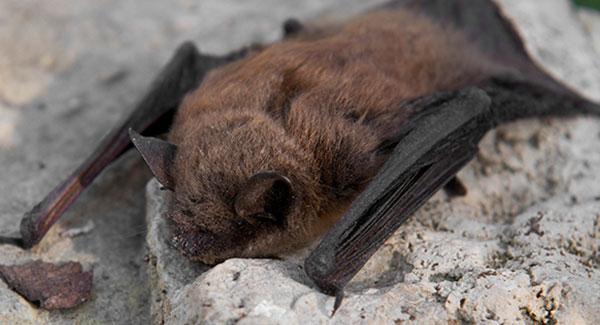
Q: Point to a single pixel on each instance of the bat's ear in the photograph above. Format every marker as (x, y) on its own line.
(158, 155)
(266, 195)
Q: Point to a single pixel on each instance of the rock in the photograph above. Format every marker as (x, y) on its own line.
(113, 249)
(545, 28)
(469, 271)
(52, 287)
(522, 247)
(169, 270)
(591, 24)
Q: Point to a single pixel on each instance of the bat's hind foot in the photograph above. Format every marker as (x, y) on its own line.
(455, 187)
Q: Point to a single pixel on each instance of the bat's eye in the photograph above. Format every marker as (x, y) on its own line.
(265, 196)
(196, 200)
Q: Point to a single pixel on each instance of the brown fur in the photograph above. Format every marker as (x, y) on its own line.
(314, 108)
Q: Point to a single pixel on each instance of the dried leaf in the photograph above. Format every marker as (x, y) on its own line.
(48, 285)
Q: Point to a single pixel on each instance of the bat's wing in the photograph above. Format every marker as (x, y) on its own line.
(443, 138)
(484, 25)
(436, 145)
(523, 88)
(153, 115)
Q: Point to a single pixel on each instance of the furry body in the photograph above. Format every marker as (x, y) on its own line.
(316, 108)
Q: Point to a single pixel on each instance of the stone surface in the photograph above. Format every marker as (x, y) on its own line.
(522, 247)
(70, 70)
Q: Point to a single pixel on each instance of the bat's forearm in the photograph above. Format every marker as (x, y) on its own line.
(438, 145)
(36, 223)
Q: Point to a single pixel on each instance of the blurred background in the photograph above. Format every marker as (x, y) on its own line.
(594, 4)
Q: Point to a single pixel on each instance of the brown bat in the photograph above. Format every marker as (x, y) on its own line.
(338, 130)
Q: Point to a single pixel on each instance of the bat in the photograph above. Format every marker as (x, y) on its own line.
(339, 130)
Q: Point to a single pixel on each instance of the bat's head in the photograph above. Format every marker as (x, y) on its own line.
(239, 187)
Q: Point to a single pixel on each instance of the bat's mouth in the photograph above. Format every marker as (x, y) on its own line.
(197, 246)
(207, 247)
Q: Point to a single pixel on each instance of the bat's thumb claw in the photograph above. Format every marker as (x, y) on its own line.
(133, 136)
(339, 296)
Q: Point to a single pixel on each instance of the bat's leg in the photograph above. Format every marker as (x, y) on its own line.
(455, 187)
(153, 114)
(516, 96)
(437, 145)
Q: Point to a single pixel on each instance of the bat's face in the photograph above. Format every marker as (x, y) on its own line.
(240, 188)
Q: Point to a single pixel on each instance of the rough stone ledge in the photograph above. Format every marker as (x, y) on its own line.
(541, 267)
